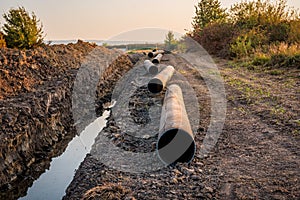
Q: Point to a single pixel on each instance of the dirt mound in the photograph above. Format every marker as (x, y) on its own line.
(21, 71)
(36, 108)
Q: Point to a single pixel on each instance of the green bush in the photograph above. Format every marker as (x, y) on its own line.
(245, 43)
(293, 61)
(241, 47)
(216, 38)
(278, 32)
(250, 14)
(22, 30)
(273, 19)
(248, 26)
(277, 60)
(261, 60)
(277, 55)
(294, 33)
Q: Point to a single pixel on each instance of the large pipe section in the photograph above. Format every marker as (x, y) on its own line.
(159, 82)
(155, 53)
(150, 67)
(175, 140)
(157, 59)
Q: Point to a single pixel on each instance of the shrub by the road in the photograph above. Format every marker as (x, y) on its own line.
(277, 55)
(249, 27)
(216, 38)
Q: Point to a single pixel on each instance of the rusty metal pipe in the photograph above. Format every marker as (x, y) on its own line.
(155, 53)
(175, 140)
(157, 59)
(159, 82)
(150, 67)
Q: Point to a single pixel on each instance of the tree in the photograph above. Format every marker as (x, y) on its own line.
(22, 30)
(208, 11)
(170, 41)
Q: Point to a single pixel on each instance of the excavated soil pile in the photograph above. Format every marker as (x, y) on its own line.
(36, 109)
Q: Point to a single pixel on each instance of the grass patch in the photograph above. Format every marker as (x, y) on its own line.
(252, 93)
(260, 60)
(276, 72)
(280, 55)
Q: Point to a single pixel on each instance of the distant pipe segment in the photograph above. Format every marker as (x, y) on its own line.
(159, 82)
(150, 67)
(155, 53)
(157, 59)
(175, 138)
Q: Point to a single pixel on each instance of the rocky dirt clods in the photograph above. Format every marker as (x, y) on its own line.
(36, 109)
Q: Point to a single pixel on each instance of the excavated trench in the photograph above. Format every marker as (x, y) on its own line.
(36, 111)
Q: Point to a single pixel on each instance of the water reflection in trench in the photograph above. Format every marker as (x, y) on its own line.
(52, 184)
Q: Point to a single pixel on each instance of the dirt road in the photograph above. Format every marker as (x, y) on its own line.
(257, 155)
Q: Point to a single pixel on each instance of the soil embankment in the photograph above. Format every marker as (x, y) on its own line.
(36, 109)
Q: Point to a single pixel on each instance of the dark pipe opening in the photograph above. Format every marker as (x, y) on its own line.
(155, 85)
(155, 61)
(176, 145)
(151, 54)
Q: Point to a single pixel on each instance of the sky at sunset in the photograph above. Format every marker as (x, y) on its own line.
(103, 19)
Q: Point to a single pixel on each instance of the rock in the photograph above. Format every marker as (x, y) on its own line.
(177, 172)
(209, 189)
(189, 171)
(108, 191)
(195, 177)
(175, 180)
